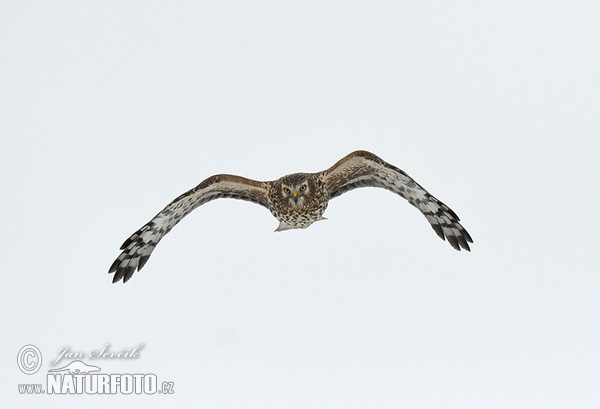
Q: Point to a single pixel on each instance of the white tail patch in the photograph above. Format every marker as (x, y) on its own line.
(283, 226)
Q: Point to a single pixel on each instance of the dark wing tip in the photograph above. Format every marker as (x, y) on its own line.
(453, 242)
(463, 244)
(125, 265)
(459, 241)
(128, 272)
(467, 236)
(118, 275)
(114, 266)
(123, 273)
(439, 231)
(142, 262)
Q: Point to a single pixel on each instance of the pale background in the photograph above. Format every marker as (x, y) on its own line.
(109, 110)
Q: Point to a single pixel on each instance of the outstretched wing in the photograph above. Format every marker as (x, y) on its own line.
(364, 169)
(138, 247)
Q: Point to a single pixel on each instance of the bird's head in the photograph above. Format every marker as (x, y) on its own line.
(296, 189)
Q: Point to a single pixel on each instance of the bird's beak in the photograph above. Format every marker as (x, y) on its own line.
(295, 193)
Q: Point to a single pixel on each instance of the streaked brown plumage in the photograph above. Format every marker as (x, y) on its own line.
(297, 201)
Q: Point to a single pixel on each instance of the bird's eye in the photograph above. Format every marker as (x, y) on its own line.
(286, 190)
(302, 188)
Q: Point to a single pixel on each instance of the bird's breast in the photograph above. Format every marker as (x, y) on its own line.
(301, 216)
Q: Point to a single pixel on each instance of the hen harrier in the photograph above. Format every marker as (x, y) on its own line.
(297, 201)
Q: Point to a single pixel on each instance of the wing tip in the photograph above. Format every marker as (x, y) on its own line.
(123, 273)
(459, 241)
(125, 270)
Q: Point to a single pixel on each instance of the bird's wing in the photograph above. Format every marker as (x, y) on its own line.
(364, 169)
(138, 247)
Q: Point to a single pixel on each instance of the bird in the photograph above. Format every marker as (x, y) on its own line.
(296, 200)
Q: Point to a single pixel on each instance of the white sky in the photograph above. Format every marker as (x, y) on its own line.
(110, 110)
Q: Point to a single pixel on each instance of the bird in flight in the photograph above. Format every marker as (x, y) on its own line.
(296, 200)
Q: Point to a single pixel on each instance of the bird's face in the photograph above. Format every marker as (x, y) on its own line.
(296, 192)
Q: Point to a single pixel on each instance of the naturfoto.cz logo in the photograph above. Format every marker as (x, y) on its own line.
(78, 377)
